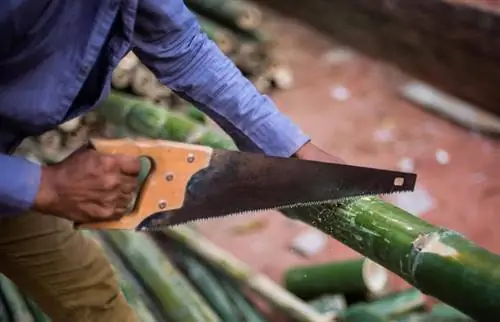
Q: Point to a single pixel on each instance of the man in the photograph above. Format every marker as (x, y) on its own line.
(56, 59)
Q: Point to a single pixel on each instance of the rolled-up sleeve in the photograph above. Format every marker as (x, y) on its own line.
(20, 179)
(169, 41)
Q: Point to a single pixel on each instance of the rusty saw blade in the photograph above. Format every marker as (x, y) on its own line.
(192, 182)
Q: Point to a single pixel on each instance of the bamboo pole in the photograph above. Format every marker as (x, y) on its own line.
(393, 306)
(339, 277)
(241, 272)
(173, 291)
(4, 312)
(329, 303)
(37, 314)
(76, 139)
(233, 13)
(144, 82)
(224, 38)
(70, 125)
(439, 262)
(50, 142)
(204, 280)
(14, 301)
(131, 289)
(146, 118)
(123, 73)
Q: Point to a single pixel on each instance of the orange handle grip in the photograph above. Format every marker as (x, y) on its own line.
(172, 166)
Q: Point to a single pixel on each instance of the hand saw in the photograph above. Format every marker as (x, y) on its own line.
(189, 182)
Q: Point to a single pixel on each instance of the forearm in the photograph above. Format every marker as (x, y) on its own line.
(19, 183)
(190, 64)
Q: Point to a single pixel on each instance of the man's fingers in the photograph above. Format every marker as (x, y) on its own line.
(129, 165)
(124, 200)
(129, 185)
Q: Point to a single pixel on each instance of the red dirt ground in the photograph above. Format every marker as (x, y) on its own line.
(465, 192)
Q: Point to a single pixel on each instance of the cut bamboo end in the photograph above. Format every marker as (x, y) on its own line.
(144, 82)
(356, 276)
(376, 278)
(250, 18)
(121, 78)
(225, 42)
(281, 77)
(262, 83)
(71, 125)
(76, 139)
(160, 95)
(91, 118)
(129, 62)
(50, 142)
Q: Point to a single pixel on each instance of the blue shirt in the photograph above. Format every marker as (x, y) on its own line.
(56, 60)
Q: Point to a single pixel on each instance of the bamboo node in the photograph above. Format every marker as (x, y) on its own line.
(431, 243)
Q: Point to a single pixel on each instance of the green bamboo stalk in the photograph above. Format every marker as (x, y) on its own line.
(439, 313)
(4, 312)
(335, 303)
(236, 14)
(397, 304)
(392, 307)
(234, 302)
(149, 120)
(177, 297)
(438, 261)
(194, 113)
(137, 298)
(443, 311)
(224, 38)
(207, 284)
(247, 311)
(14, 300)
(349, 276)
(239, 271)
(361, 314)
(36, 312)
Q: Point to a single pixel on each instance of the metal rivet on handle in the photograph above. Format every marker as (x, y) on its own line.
(162, 204)
(169, 176)
(190, 158)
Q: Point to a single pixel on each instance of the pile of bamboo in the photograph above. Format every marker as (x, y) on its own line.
(400, 242)
(167, 281)
(234, 27)
(356, 290)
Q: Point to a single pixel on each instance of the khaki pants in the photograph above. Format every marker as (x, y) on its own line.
(64, 272)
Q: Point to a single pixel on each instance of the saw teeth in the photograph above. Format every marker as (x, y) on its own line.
(247, 212)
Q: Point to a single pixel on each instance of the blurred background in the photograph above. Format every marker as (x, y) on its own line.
(410, 86)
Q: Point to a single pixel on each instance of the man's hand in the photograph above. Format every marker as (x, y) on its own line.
(88, 186)
(309, 151)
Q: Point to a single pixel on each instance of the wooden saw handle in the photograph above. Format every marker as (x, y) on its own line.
(172, 165)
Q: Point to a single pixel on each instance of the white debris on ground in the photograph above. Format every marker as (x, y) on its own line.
(338, 56)
(383, 135)
(417, 202)
(310, 242)
(340, 93)
(442, 157)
